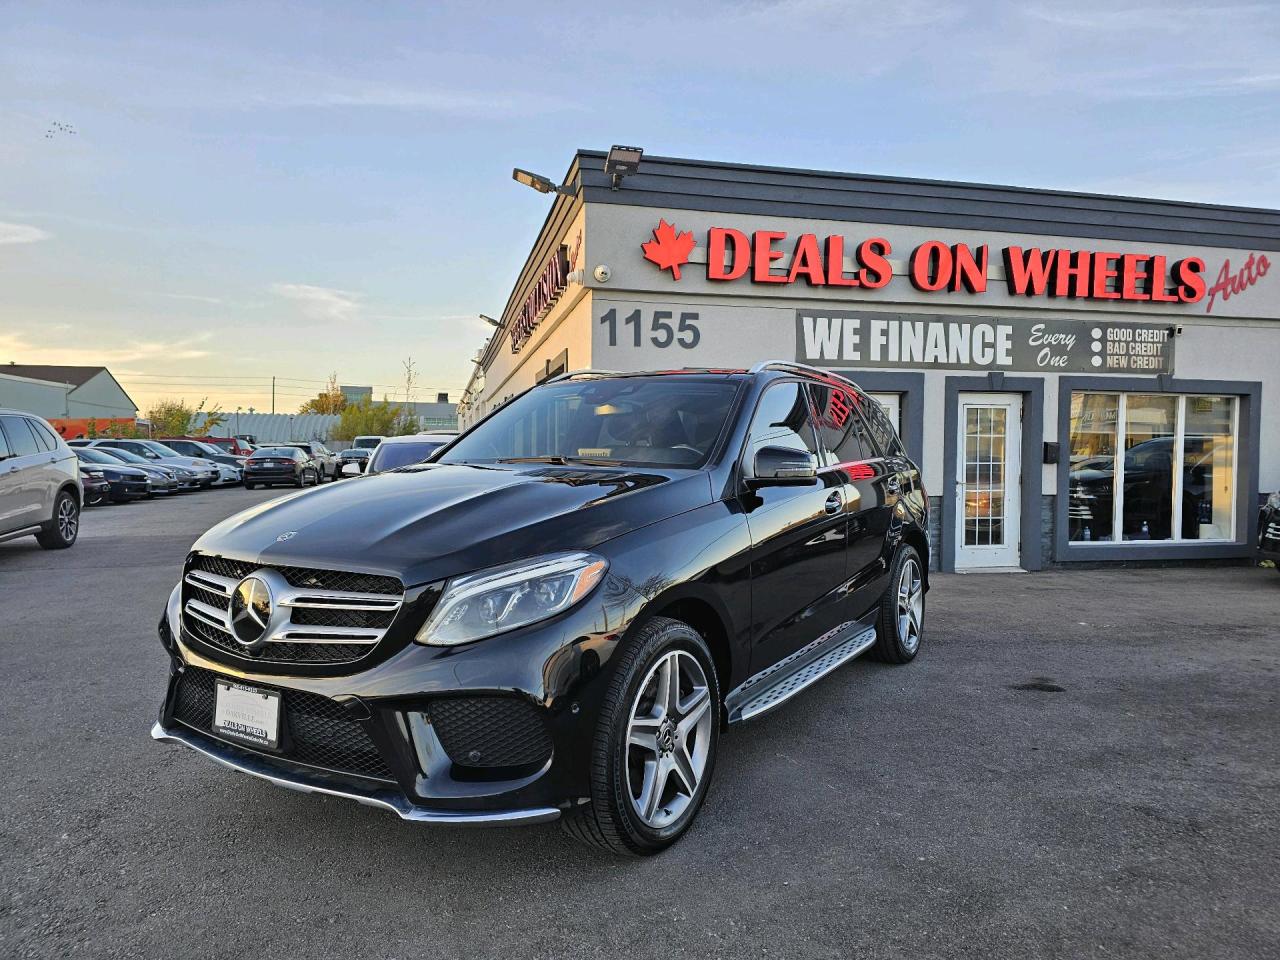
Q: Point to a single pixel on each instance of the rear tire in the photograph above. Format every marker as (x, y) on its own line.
(900, 626)
(63, 528)
(629, 777)
(249, 486)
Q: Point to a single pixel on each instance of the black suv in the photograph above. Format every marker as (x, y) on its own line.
(559, 614)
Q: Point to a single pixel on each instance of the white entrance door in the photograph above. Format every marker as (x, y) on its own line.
(989, 480)
(892, 404)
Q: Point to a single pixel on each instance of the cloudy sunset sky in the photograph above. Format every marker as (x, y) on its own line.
(201, 196)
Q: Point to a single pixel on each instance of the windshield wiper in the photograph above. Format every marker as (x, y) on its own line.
(558, 461)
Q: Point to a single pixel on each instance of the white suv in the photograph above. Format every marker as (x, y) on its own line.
(40, 489)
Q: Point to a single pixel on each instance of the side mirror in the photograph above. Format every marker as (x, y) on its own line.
(783, 466)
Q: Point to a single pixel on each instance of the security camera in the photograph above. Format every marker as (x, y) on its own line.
(603, 273)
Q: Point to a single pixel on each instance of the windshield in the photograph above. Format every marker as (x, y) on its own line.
(89, 455)
(647, 421)
(159, 448)
(366, 443)
(125, 455)
(388, 456)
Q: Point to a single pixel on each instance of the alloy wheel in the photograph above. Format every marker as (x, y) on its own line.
(68, 519)
(910, 606)
(668, 739)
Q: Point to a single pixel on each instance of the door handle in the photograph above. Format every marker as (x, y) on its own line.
(893, 485)
(834, 502)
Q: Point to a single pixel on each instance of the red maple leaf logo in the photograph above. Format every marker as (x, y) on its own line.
(668, 249)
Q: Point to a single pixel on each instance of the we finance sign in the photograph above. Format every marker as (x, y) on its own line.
(841, 339)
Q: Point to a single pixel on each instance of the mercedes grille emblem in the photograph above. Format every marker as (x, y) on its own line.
(251, 608)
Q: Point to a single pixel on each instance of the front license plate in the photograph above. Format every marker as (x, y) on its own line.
(248, 714)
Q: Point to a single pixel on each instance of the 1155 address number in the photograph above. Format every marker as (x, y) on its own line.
(661, 333)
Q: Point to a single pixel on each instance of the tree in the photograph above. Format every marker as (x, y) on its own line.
(171, 418)
(364, 418)
(176, 418)
(331, 400)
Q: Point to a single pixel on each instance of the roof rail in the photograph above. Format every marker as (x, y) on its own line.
(571, 374)
(791, 365)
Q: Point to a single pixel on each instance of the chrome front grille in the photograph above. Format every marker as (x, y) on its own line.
(324, 616)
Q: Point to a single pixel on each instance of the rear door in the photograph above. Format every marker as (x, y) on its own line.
(20, 474)
(798, 536)
(872, 488)
(51, 474)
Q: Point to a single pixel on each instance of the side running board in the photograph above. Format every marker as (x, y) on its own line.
(776, 685)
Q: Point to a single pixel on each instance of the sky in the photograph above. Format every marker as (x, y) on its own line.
(203, 196)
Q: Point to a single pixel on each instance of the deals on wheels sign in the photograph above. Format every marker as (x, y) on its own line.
(841, 338)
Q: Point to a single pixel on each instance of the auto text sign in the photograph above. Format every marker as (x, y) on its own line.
(841, 338)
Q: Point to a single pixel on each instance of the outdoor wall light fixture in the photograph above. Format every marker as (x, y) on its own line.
(540, 183)
(622, 162)
(489, 320)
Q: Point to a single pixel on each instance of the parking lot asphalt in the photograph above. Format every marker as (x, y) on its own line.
(1078, 764)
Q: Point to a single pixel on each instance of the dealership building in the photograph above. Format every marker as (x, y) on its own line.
(1081, 378)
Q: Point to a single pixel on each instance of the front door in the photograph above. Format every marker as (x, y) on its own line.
(799, 536)
(988, 480)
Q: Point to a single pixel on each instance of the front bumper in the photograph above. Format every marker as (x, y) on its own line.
(500, 731)
(386, 799)
(129, 489)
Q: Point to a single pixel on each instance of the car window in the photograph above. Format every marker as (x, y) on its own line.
(21, 440)
(44, 436)
(782, 420)
(882, 432)
(652, 421)
(842, 434)
(4, 446)
(389, 456)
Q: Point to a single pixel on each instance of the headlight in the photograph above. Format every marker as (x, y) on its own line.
(97, 474)
(173, 610)
(1273, 501)
(499, 599)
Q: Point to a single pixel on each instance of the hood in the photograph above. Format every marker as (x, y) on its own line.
(428, 522)
(191, 463)
(136, 473)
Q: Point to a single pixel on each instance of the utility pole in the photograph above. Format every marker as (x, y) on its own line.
(273, 394)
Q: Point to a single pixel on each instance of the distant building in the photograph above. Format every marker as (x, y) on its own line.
(356, 394)
(273, 427)
(58, 392)
(439, 414)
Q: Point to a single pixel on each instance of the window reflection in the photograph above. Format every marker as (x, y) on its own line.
(1174, 480)
(1092, 452)
(1208, 469)
(1150, 424)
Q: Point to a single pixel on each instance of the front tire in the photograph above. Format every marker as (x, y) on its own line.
(655, 743)
(249, 486)
(62, 530)
(900, 626)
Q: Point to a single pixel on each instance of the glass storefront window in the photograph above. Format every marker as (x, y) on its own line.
(1150, 423)
(1208, 469)
(1092, 452)
(1157, 467)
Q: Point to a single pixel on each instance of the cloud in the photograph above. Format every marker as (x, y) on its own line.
(505, 103)
(320, 303)
(14, 347)
(21, 233)
(192, 297)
